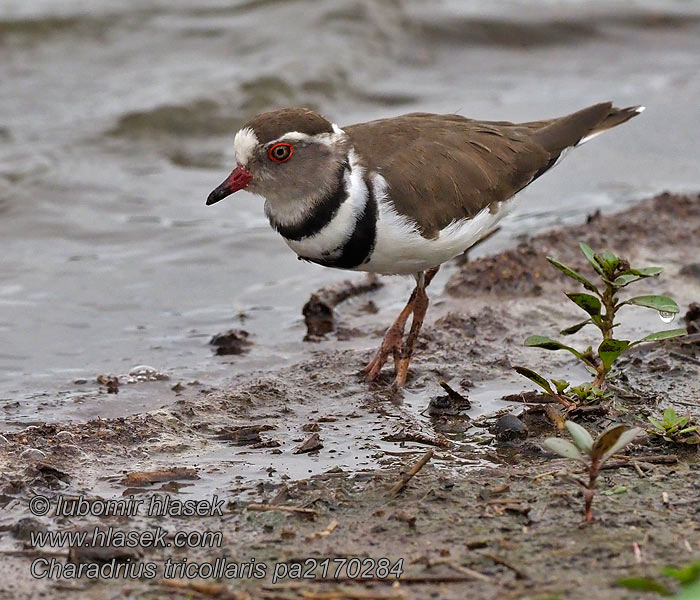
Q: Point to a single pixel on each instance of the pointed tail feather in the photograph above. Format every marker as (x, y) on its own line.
(616, 117)
(572, 130)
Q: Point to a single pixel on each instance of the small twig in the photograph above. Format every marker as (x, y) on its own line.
(325, 533)
(469, 572)
(684, 357)
(281, 495)
(290, 509)
(496, 501)
(622, 392)
(411, 474)
(654, 459)
(693, 404)
(454, 395)
(684, 502)
(547, 474)
(519, 574)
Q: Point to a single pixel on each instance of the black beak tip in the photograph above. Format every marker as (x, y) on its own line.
(214, 197)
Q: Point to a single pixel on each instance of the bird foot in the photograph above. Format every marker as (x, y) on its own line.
(391, 344)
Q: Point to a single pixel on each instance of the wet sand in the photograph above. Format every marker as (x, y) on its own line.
(119, 120)
(485, 517)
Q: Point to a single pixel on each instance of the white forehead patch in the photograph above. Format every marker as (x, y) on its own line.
(244, 145)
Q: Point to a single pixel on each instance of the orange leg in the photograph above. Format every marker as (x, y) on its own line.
(420, 307)
(392, 342)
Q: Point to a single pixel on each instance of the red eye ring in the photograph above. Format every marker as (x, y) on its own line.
(280, 152)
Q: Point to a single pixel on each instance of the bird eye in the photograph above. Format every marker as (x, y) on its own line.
(281, 152)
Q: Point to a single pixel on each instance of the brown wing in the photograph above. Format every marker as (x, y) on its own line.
(446, 167)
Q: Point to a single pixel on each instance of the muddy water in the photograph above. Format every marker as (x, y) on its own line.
(116, 120)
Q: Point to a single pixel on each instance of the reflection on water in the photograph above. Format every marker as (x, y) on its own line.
(116, 120)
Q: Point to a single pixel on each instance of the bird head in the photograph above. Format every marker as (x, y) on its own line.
(291, 157)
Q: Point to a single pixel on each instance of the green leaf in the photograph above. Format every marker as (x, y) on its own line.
(660, 303)
(685, 575)
(581, 437)
(590, 369)
(646, 271)
(536, 378)
(692, 592)
(625, 279)
(662, 335)
(609, 350)
(644, 584)
(656, 423)
(589, 303)
(631, 275)
(623, 439)
(574, 328)
(539, 341)
(607, 440)
(610, 259)
(590, 255)
(560, 385)
(564, 448)
(573, 274)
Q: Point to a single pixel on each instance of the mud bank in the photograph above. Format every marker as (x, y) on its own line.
(485, 518)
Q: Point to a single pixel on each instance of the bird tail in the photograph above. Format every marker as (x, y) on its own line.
(616, 116)
(577, 128)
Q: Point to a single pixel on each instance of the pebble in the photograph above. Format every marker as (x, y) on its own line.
(33, 454)
(63, 436)
(509, 427)
(145, 373)
(3, 440)
(233, 341)
(74, 450)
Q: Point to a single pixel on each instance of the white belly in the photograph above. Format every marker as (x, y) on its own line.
(400, 249)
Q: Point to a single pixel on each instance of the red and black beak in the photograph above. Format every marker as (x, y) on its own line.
(237, 180)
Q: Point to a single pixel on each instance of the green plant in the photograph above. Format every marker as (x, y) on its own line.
(688, 577)
(674, 428)
(592, 454)
(602, 307)
(563, 392)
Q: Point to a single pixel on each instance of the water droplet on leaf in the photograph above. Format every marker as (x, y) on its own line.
(666, 317)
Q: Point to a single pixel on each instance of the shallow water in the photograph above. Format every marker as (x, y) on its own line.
(116, 120)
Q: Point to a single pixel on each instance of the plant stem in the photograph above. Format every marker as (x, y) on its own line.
(606, 328)
(609, 316)
(599, 380)
(589, 490)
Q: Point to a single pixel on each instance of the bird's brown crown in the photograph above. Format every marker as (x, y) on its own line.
(274, 124)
